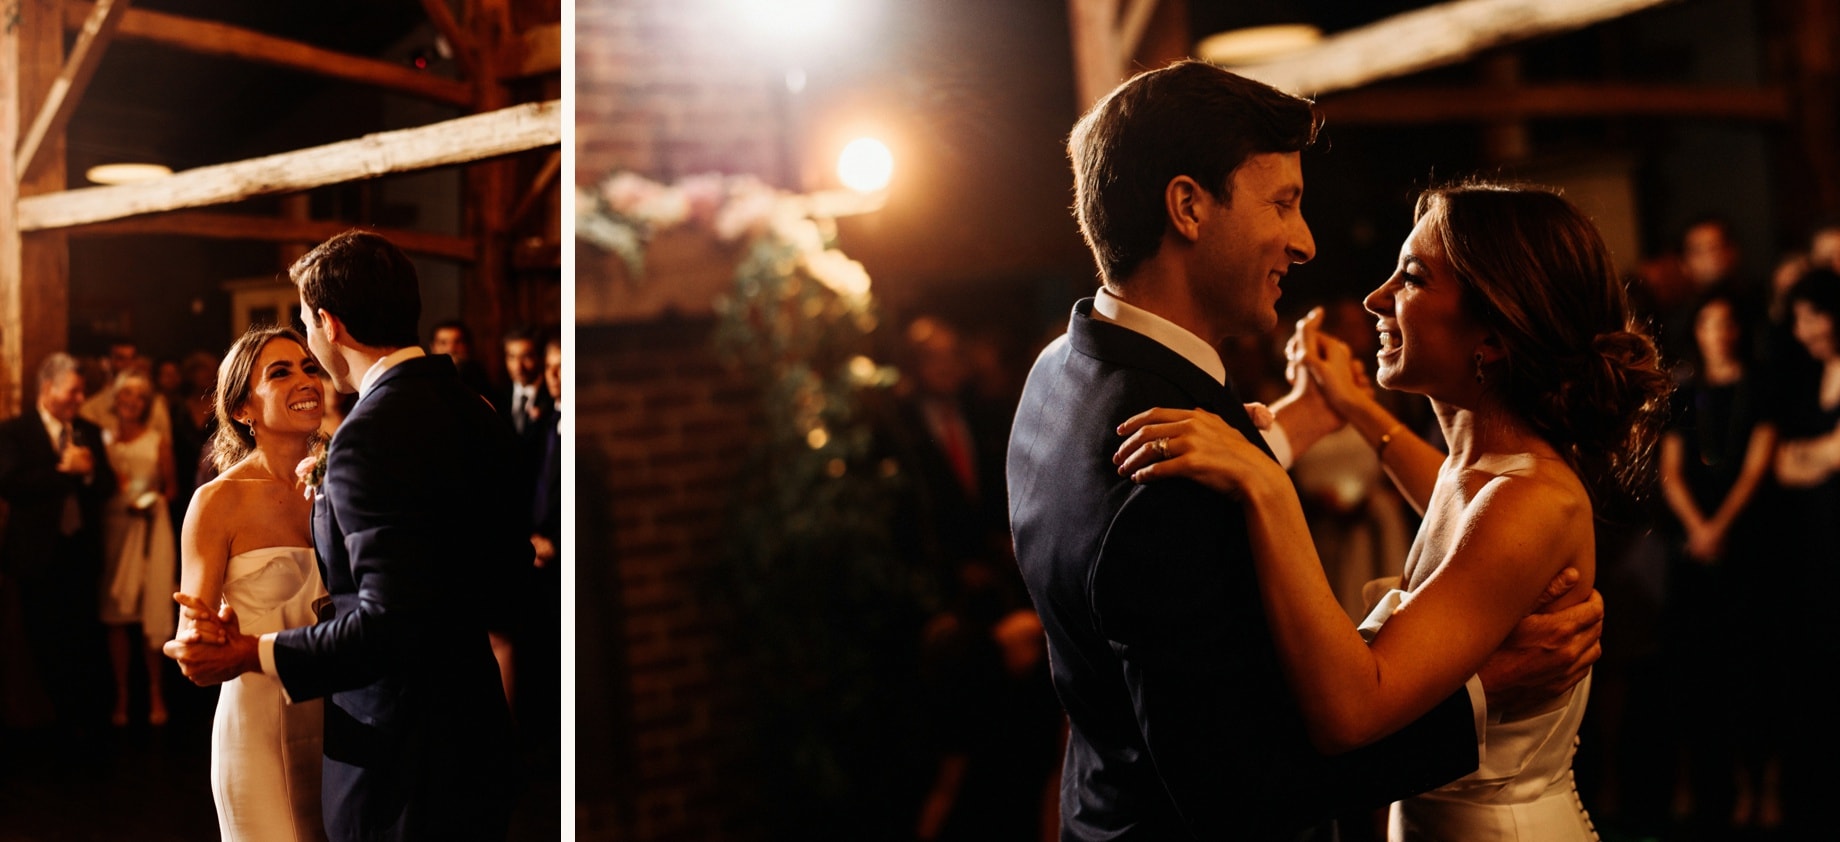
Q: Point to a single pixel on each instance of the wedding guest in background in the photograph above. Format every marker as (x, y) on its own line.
(140, 554)
(56, 481)
(1824, 245)
(1709, 257)
(455, 339)
(123, 357)
(1808, 467)
(525, 400)
(536, 653)
(949, 447)
(1715, 457)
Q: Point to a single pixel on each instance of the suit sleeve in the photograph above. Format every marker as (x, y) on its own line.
(1175, 593)
(25, 481)
(389, 509)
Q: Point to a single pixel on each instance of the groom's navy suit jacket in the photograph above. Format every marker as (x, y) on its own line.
(415, 527)
(1182, 724)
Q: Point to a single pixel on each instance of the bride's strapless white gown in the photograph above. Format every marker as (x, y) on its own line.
(1523, 789)
(265, 754)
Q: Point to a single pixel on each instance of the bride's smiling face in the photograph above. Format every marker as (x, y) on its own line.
(1427, 337)
(285, 391)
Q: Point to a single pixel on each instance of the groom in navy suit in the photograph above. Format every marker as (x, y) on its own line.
(1188, 188)
(417, 524)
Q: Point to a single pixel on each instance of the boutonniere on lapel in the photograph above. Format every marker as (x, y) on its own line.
(312, 470)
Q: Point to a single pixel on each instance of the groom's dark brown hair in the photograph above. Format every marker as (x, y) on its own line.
(367, 282)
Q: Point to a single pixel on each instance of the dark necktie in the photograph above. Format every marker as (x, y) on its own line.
(520, 410)
(72, 519)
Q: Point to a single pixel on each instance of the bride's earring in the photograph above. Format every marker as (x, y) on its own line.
(1479, 377)
(251, 422)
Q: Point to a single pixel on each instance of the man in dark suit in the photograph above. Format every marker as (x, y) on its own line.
(526, 401)
(417, 524)
(1188, 181)
(55, 477)
(453, 338)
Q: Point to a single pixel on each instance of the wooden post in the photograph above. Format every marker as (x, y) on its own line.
(44, 256)
(487, 296)
(12, 312)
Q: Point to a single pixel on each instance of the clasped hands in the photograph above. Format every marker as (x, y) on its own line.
(210, 646)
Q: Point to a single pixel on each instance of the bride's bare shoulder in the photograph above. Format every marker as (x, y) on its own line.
(228, 489)
(1536, 488)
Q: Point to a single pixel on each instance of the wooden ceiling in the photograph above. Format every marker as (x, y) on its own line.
(270, 99)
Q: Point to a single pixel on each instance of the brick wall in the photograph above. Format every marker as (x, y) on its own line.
(662, 89)
(661, 426)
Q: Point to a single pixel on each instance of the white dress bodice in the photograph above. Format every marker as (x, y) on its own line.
(265, 752)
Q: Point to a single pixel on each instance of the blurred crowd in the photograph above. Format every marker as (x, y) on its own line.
(96, 475)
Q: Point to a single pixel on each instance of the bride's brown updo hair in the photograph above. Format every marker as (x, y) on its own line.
(1578, 366)
(233, 441)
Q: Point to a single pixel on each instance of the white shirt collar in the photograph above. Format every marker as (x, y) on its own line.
(382, 365)
(1110, 308)
(52, 425)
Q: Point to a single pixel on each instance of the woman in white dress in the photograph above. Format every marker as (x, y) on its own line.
(247, 543)
(138, 546)
(1505, 310)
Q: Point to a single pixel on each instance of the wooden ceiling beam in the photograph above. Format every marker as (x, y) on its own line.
(1434, 36)
(1108, 45)
(217, 39)
(465, 50)
(538, 186)
(1415, 105)
(534, 52)
(235, 226)
(67, 89)
(464, 140)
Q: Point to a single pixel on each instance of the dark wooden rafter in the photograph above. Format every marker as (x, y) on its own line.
(1422, 104)
(67, 90)
(465, 49)
(218, 39)
(539, 185)
(1113, 38)
(231, 226)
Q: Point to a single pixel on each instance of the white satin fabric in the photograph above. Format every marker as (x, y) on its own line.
(265, 753)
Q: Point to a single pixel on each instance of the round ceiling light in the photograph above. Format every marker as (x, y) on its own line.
(1256, 44)
(126, 173)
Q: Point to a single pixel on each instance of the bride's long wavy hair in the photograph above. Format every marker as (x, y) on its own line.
(1580, 366)
(235, 380)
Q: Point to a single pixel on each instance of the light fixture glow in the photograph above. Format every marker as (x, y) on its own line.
(799, 21)
(866, 165)
(1257, 43)
(125, 173)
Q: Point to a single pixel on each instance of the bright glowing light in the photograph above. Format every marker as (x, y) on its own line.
(865, 165)
(125, 173)
(790, 20)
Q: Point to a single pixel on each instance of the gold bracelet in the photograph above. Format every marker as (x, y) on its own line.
(1386, 438)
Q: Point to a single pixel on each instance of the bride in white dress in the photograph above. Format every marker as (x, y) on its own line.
(247, 542)
(1506, 311)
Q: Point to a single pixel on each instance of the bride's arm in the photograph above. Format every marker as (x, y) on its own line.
(204, 549)
(1351, 693)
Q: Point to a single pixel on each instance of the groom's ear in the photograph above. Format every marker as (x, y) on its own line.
(332, 327)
